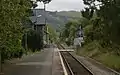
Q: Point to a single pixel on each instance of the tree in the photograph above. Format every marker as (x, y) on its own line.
(105, 26)
(11, 28)
(108, 12)
(69, 32)
(34, 41)
(34, 3)
(52, 34)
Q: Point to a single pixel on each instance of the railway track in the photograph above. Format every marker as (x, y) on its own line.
(73, 66)
(60, 46)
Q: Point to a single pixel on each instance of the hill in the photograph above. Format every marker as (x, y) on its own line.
(55, 19)
(69, 13)
(58, 19)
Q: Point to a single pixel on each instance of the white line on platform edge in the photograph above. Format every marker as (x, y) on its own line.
(64, 69)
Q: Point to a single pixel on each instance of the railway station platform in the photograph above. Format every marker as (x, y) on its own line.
(46, 62)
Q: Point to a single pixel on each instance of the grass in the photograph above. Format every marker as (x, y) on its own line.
(93, 50)
(112, 61)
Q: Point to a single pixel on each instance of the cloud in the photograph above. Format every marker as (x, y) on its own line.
(64, 5)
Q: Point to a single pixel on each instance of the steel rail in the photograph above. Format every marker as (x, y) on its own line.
(74, 58)
(85, 67)
(70, 68)
(67, 64)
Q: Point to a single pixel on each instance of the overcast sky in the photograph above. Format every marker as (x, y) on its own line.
(64, 5)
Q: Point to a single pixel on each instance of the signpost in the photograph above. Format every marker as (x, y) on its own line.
(79, 38)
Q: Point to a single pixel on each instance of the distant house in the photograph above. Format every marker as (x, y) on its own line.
(38, 17)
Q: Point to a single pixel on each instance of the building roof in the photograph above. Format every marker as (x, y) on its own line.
(38, 16)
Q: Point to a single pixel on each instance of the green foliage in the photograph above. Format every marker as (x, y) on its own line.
(84, 22)
(52, 34)
(102, 31)
(70, 14)
(11, 29)
(108, 23)
(104, 24)
(34, 40)
(69, 32)
(13, 19)
(112, 61)
(103, 55)
(87, 13)
(88, 33)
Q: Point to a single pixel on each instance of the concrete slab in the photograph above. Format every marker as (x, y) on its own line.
(57, 65)
(46, 62)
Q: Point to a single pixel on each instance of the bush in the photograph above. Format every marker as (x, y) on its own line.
(11, 51)
(34, 41)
